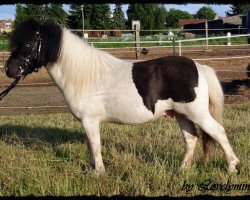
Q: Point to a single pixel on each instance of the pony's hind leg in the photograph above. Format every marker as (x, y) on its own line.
(209, 125)
(190, 136)
(94, 144)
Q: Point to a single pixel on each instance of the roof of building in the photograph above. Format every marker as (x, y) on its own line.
(183, 22)
(6, 21)
(235, 19)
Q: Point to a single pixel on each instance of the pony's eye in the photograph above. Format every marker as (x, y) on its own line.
(27, 45)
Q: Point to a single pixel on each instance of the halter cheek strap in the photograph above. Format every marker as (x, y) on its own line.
(26, 60)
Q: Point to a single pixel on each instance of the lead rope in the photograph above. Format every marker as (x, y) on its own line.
(5, 92)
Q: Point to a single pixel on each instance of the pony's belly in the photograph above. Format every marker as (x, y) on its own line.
(136, 113)
(129, 115)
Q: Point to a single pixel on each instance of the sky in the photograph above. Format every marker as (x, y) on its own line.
(8, 11)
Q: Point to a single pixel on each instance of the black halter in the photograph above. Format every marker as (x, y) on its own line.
(27, 66)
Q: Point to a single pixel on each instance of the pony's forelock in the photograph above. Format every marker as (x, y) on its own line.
(23, 32)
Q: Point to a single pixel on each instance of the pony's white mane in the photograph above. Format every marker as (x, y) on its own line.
(82, 64)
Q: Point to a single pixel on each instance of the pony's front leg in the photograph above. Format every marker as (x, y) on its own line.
(91, 127)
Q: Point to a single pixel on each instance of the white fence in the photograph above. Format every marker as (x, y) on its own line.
(228, 37)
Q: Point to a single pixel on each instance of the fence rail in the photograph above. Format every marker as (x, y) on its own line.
(211, 38)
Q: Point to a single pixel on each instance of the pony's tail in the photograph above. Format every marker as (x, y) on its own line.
(216, 102)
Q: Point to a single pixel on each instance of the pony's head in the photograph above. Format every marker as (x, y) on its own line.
(33, 45)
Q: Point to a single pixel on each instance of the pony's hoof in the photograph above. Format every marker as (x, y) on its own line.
(234, 168)
(232, 171)
(100, 170)
(185, 165)
(97, 171)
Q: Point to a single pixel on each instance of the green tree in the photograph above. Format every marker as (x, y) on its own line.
(28, 11)
(238, 9)
(173, 16)
(96, 16)
(34, 11)
(119, 20)
(87, 9)
(205, 12)
(56, 14)
(146, 13)
(150, 16)
(134, 12)
(101, 16)
(20, 13)
(48, 12)
(74, 19)
(160, 17)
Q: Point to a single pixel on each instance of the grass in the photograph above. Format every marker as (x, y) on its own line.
(4, 44)
(46, 154)
(224, 41)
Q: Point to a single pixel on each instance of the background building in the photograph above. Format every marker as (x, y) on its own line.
(5, 25)
(221, 25)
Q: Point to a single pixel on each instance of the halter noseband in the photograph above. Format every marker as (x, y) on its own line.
(26, 60)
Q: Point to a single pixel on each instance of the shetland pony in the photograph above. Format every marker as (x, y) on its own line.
(98, 87)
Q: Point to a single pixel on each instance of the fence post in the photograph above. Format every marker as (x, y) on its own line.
(136, 28)
(3, 50)
(137, 43)
(228, 38)
(206, 27)
(171, 36)
(160, 38)
(173, 45)
(248, 26)
(179, 48)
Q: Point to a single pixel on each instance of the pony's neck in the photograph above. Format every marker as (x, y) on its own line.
(80, 66)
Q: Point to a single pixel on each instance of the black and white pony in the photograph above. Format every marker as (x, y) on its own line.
(99, 87)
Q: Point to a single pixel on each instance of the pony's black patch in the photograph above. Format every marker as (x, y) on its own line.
(51, 35)
(172, 77)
